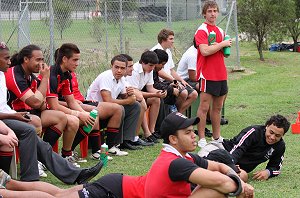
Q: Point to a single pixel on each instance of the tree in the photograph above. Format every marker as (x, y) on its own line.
(258, 18)
(62, 15)
(293, 21)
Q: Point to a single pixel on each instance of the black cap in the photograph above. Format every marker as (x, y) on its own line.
(176, 121)
(222, 156)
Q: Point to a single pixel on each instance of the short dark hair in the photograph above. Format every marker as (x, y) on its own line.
(209, 4)
(67, 50)
(149, 57)
(279, 121)
(164, 34)
(18, 58)
(129, 58)
(120, 58)
(162, 55)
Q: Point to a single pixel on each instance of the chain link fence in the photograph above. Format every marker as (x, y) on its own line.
(103, 28)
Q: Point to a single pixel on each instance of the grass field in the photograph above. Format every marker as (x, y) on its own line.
(263, 89)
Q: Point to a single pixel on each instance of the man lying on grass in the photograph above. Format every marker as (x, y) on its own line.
(254, 145)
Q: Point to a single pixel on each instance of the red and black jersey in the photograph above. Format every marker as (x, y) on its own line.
(169, 175)
(18, 84)
(60, 83)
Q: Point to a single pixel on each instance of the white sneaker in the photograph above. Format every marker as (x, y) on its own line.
(42, 169)
(77, 158)
(97, 155)
(116, 151)
(72, 160)
(202, 142)
(219, 140)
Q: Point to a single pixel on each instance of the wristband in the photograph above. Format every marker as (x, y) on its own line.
(237, 180)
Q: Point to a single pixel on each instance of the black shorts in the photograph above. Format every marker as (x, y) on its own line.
(108, 186)
(215, 88)
(89, 102)
(192, 83)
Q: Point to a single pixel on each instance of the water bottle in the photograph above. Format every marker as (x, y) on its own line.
(211, 37)
(93, 114)
(226, 50)
(103, 154)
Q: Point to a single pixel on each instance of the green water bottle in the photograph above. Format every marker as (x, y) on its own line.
(211, 37)
(93, 114)
(103, 154)
(226, 50)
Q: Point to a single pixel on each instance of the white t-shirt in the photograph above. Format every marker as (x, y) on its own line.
(139, 78)
(187, 62)
(106, 81)
(170, 64)
(4, 108)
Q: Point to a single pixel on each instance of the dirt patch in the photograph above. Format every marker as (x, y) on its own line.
(234, 74)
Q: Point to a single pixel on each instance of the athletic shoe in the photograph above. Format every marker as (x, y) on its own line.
(42, 169)
(219, 140)
(4, 178)
(202, 142)
(116, 151)
(157, 135)
(97, 155)
(141, 142)
(127, 145)
(223, 121)
(151, 138)
(72, 160)
(88, 173)
(77, 158)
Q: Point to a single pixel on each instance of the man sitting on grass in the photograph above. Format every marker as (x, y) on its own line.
(254, 145)
(164, 178)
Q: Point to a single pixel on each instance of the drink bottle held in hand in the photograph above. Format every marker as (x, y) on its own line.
(226, 50)
(93, 114)
(211, 37)
(103, 154)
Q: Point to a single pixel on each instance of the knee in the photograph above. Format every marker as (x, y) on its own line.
(35, 121)
(193, 95)
(243, 175)
(183, 94)
(73, 122)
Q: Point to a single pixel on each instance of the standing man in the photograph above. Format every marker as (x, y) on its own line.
(211, 71)
(110, 86)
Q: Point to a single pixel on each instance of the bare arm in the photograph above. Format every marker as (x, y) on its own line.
(207, 50)
(106, 96)
(192, 75)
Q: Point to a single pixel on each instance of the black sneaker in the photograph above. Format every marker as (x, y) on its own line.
(151, 138)
(141, 142)
(157, 135)
(88, 173)
(223, 121)
(127, 145)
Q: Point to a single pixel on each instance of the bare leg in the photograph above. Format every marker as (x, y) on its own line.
(203, 108)
(70, 132)
(24, 194)
(189, 100)
(180, 100)
(153, 104)
(141, 117)
(110, 110)
(50, 189)
(206, 193)
(215, 115)
(36, 122)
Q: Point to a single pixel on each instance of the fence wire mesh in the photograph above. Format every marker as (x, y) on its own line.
(104, 28)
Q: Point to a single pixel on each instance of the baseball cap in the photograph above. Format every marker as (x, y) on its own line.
(176, 121)
(222, 156)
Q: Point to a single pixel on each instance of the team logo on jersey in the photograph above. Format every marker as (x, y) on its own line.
(269, 153)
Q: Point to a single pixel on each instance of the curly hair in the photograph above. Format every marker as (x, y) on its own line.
(279, 121)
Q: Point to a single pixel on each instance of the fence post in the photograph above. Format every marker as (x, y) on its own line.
(106, 31)
(236, 37)
(51, 29)
(121, 27)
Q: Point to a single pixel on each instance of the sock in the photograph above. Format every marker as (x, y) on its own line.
(51, 135)
(5, 159)
(80, 135)
(65, 153)
(111, 134)
(94, 139)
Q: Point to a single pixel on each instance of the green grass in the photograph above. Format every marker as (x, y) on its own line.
(263, 89)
